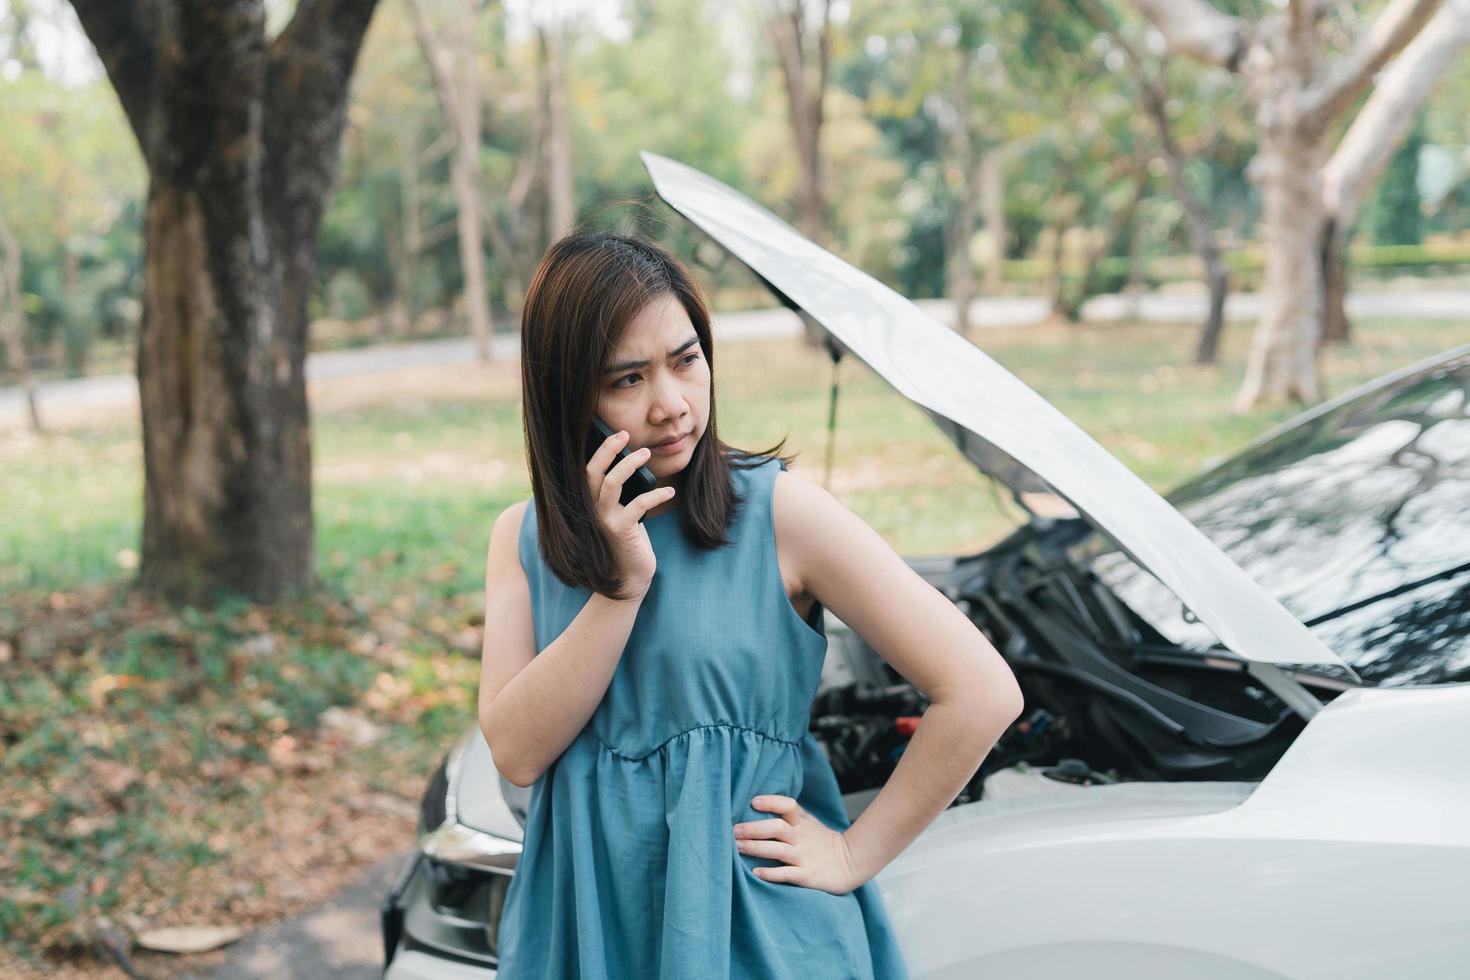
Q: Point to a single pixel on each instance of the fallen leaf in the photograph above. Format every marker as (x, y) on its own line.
(188, 939)
(114, 777)
(350, 724)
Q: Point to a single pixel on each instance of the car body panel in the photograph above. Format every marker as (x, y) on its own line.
(1303, 875)
(994, 416)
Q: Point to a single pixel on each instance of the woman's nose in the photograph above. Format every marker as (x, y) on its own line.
(668, 400)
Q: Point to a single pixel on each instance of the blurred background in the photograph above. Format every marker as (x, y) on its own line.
(261, 269)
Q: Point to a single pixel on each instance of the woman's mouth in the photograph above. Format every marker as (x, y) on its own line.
(670, 448)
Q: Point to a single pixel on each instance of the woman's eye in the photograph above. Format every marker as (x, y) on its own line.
(689, 358)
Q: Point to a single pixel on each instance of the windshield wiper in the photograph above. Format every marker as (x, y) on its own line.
(1387, 594)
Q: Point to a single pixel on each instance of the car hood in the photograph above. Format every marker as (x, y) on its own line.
(1009, 431)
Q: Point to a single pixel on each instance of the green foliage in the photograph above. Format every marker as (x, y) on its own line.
(71, 188)
(348, 297)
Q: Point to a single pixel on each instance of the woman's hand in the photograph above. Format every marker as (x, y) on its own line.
(621, 523)
(815, 855)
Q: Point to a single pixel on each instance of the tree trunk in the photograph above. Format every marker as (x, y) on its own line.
(1070, 306)
(1371, 141)
(1056, 278)
(1201, 234)
(226, 443)
(1336, 328)
(241, 141)
(804, 72)
(961, 226)
(1299, 94)
(993, 206)
(13, 320)
(1217, 281)
(457, 86)
(561, 212)
(1282, 364)
(410, 235)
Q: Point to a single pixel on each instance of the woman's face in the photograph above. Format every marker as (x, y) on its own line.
(657, 386)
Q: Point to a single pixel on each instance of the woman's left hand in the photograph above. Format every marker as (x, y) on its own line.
(814, 855)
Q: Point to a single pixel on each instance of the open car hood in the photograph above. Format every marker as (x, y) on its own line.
(1008, 430)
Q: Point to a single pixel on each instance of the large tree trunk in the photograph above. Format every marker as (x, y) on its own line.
(1282, 363)
(241, 141)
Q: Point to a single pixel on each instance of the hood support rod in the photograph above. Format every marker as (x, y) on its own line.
(1285, 687)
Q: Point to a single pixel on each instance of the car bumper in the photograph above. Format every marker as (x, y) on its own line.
(424, 939)
(414, 964)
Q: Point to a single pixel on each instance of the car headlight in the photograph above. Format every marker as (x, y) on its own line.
(469, 835)
(469, 823)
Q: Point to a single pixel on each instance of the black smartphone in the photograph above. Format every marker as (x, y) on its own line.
(642, 479)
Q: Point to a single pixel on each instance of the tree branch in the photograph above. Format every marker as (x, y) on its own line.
(434, 57)
(123, 33)
(309, 70)
(1345, 80)
(311, 64)
(1195, 28)
(1385, 119)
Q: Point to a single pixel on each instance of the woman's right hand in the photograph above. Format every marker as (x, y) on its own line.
(620, 522)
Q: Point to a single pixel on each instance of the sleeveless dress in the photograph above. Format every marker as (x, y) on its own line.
(629, 867)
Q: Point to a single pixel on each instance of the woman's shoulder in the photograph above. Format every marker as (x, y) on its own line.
(514, 518)
(751, 463)
(515, 514)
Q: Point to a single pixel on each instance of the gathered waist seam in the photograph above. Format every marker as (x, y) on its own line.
(741, 728)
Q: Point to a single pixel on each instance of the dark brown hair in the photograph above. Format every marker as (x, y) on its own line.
(586, 290)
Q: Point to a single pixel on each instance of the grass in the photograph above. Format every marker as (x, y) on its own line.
(173, 766)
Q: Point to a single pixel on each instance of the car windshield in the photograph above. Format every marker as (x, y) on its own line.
(1357, 521)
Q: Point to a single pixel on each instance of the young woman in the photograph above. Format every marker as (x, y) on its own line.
(649, 667)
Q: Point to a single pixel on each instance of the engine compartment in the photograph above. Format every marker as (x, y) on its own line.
(1106, 698)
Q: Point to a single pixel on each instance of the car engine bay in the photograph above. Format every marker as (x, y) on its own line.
(1107, 699)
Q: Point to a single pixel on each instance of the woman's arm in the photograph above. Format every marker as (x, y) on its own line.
(531, 706)
(854, 572)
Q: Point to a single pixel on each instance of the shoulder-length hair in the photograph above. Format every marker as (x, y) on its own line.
(586, 290)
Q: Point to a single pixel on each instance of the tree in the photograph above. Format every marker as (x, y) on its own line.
(553, 40)
(1202, 235)
(456, 84)
(1299, 95)
(1377, 131)
(801, 34)
(239, 133)
(950, 83)
(13, 318)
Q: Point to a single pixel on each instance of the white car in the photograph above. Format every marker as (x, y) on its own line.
(1246, 747)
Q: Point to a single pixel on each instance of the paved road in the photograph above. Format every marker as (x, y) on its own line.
(342, 939)
(121, 391)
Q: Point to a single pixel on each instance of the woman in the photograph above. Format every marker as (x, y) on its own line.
(649, 667)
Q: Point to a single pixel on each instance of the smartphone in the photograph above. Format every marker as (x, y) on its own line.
(642, 479)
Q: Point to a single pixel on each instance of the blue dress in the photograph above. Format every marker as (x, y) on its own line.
(630, 868)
